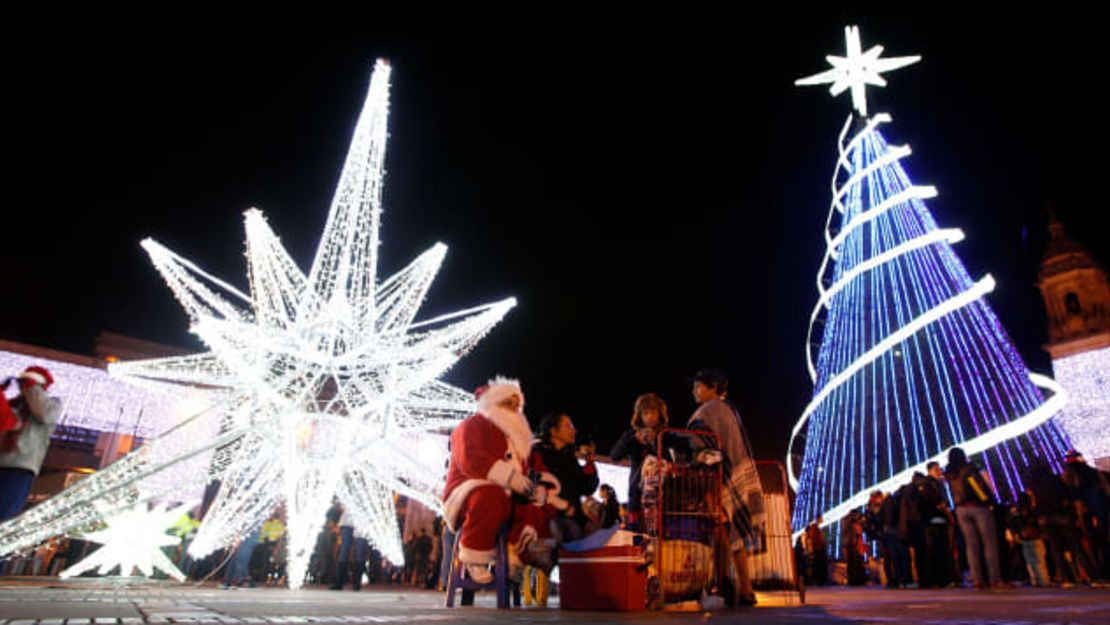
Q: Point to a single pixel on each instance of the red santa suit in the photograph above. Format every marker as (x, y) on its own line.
(489, 455)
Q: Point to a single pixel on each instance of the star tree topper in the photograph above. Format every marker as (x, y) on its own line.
(857, 70)
(330, 381)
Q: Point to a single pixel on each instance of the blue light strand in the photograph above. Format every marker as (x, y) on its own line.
(861, 315)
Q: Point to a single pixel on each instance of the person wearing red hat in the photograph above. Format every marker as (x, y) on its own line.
(31, 417)
(489, 463)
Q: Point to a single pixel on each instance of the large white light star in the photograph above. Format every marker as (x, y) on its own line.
(857, 70)
(133, 539)
(332, 383)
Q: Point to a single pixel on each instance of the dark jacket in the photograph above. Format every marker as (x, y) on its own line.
(575, 481)
(1050, 495)
(628, 446)
(933, 501)
(889, 513)
(910, 527)
(873, 523)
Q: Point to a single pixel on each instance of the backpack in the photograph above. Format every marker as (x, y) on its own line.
(979, 489)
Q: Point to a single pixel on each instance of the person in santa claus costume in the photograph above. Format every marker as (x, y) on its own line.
(488, 483)
(26, 423)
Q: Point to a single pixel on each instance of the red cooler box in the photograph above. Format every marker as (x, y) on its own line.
(610, 578)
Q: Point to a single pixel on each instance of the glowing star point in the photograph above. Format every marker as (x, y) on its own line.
(133, 539)
(856, 70)
(331, 382)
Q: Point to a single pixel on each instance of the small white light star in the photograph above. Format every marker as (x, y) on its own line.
(857, 70)
(133, 539)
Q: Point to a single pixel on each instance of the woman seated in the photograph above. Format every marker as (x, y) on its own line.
(556, 448)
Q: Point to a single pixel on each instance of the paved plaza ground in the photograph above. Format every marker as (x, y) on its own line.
(107, 602)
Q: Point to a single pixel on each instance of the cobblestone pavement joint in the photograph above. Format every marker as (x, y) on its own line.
(100, 602)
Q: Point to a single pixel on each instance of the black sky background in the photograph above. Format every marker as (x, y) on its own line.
(652, 188)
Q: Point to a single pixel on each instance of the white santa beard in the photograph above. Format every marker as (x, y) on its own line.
(515, 427)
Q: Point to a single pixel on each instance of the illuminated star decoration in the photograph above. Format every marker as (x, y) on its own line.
(857, 70)
(332, 384)
(133, 539)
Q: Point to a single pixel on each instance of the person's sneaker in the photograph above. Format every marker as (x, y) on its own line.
(479, 573)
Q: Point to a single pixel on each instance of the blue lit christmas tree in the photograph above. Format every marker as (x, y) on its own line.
(912, 361)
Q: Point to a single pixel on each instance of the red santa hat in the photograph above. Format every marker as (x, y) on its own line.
(511, 422)
(36, 375)
(498, 390)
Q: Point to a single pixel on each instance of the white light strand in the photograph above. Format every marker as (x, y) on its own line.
(843, 163)
(954, 303)
(977, 291)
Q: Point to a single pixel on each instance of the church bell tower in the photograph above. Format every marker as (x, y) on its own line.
(1076, 295)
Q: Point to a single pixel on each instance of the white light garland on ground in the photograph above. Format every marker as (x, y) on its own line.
(133, 540)
(174, 466)
(332, 384)
(1086, 376)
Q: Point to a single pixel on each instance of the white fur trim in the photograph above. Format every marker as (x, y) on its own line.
(452, 506)
(33, 376)
(528, 535)
(553, 497)
(501, 473)
(474, 556)
(497, 390)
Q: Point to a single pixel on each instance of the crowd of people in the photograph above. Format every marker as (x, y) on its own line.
(538, 489)
(950, 520)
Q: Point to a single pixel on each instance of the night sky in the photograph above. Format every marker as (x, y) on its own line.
(651, 188)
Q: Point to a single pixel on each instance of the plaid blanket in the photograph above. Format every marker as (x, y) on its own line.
(743, 504)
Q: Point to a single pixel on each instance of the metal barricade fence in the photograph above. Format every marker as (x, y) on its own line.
(773, 567)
